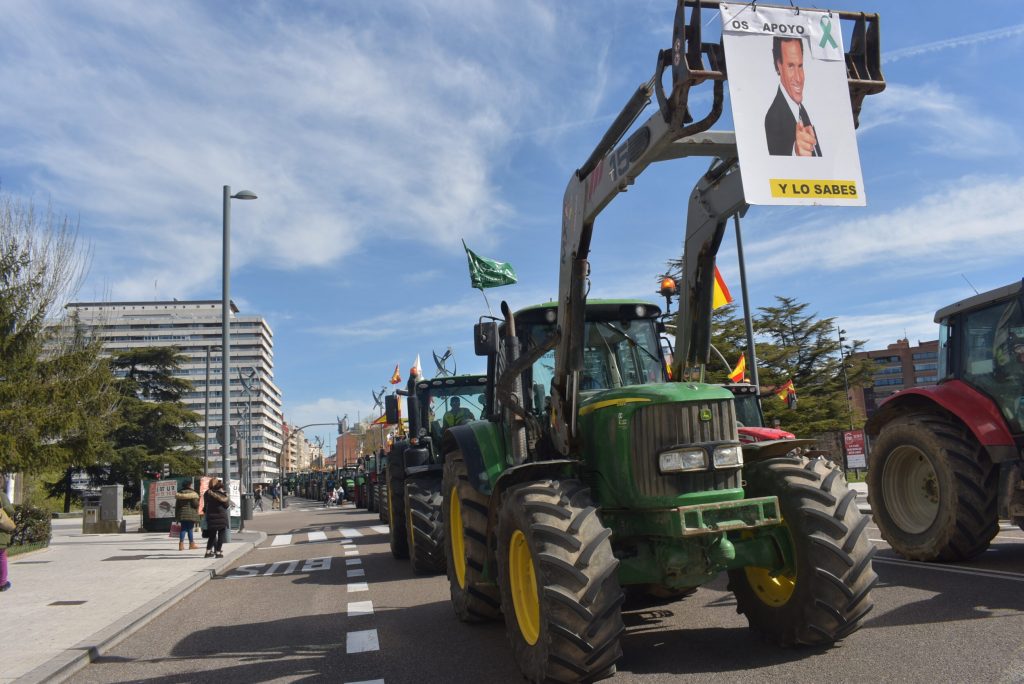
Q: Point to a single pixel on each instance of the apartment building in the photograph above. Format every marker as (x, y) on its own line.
(896, 367)
(194, 327)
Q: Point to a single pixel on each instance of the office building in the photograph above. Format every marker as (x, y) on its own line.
(896, 367)
(194, 327)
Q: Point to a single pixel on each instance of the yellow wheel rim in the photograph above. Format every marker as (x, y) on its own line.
(773, 591)
(523, 583)
(455, 535)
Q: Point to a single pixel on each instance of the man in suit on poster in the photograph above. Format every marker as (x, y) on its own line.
(787, 126)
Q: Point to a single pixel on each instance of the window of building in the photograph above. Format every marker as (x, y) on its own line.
(921, 356)
(926, 366)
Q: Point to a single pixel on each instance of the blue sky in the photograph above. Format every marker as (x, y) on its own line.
(377, 135)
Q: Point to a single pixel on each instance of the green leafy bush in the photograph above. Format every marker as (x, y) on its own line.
(33, 526)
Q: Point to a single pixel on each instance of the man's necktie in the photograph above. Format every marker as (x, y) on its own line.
(806, 121)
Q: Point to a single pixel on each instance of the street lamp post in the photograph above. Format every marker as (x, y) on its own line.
(206, 413)
(846, 381)
(225, 333)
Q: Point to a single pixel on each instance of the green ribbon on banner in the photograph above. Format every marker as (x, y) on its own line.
(826, 37)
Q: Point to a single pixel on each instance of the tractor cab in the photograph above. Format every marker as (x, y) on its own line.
(445, 402)
(981, 342)
(621, 348)
(750, 418)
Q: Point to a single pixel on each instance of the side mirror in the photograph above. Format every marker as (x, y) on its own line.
(485, 338)
(414, 415)
(391, 409)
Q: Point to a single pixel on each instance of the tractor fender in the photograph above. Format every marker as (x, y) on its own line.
(421, 471)
(462, 438)
(976, 411)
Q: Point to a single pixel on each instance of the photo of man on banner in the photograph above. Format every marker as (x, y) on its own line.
(791, 106)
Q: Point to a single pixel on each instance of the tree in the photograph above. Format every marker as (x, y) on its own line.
(795, 345)
(154, 425)
(48, 378)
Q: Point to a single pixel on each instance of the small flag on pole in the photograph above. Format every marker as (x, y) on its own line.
(383, 420)
(721, 295)
(739, 373)
(787, 393)
(484, 272)
(396, 377)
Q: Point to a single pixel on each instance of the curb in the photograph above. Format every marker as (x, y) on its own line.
(72, 660)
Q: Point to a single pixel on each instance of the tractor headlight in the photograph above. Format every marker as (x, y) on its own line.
(728, 456)
(680, 460)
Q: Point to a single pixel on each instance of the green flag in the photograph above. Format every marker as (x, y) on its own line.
(485, 272)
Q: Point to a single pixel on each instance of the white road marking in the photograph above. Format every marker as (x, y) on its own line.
(358, 572)
(991, 574)
(368, 681)
(282, 540)
(358, 586)
(349, 532)
(317, 535)
(352, 552)
(353, 561)
(381, 529)
(357, 608)
(362, 641)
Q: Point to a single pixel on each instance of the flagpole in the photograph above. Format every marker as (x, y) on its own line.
(746, 306)
(486, 301)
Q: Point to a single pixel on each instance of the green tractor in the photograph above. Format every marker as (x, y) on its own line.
(414, 466)
(592, 476)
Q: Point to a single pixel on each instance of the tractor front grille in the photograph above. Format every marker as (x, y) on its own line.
(655, 428)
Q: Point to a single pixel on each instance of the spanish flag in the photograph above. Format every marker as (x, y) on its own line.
(396, 377)
(383, 420)
(721, 295)
(740, 371)
(787, 393)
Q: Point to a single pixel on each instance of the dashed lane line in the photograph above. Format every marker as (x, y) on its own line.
(357, 586)
(353, 561)
(362, 641)
(282, 540)
(352, 552)
(358, 572)
(357, 608)
(316, 535)
(349, 532)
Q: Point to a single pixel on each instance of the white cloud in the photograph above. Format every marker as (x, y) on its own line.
(955, 42)
(944, 122)
(971, 221)
(138, 118)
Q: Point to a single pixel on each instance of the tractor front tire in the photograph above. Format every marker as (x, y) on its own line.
(397, 534)
(382, 507)
(424, 524)
(559, 590)
(932, 488)
(825, 595)
(474, 596)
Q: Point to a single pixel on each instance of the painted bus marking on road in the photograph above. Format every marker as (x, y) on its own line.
(280, 568)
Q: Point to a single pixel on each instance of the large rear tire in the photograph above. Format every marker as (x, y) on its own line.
(559, 590)
(382, 507)
(474, 595)
(423, 502)
(932, 488)
(397, 534)
(826, 595)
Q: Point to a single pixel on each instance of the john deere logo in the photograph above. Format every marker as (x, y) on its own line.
(705, 415)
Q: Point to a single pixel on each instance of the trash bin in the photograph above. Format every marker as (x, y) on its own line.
(247, 506)
(90, 512)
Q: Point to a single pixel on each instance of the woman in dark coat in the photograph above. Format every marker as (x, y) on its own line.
(5, 539)
(186, 512)
(215, 506)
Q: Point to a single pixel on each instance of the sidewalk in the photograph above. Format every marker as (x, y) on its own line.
(78, 598)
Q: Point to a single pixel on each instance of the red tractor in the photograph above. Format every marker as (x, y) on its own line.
(946, 462)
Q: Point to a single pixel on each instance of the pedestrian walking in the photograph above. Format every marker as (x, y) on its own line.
(186, 512)
(275, 492)
(216, 504)
(259, 499)
(5, 541)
